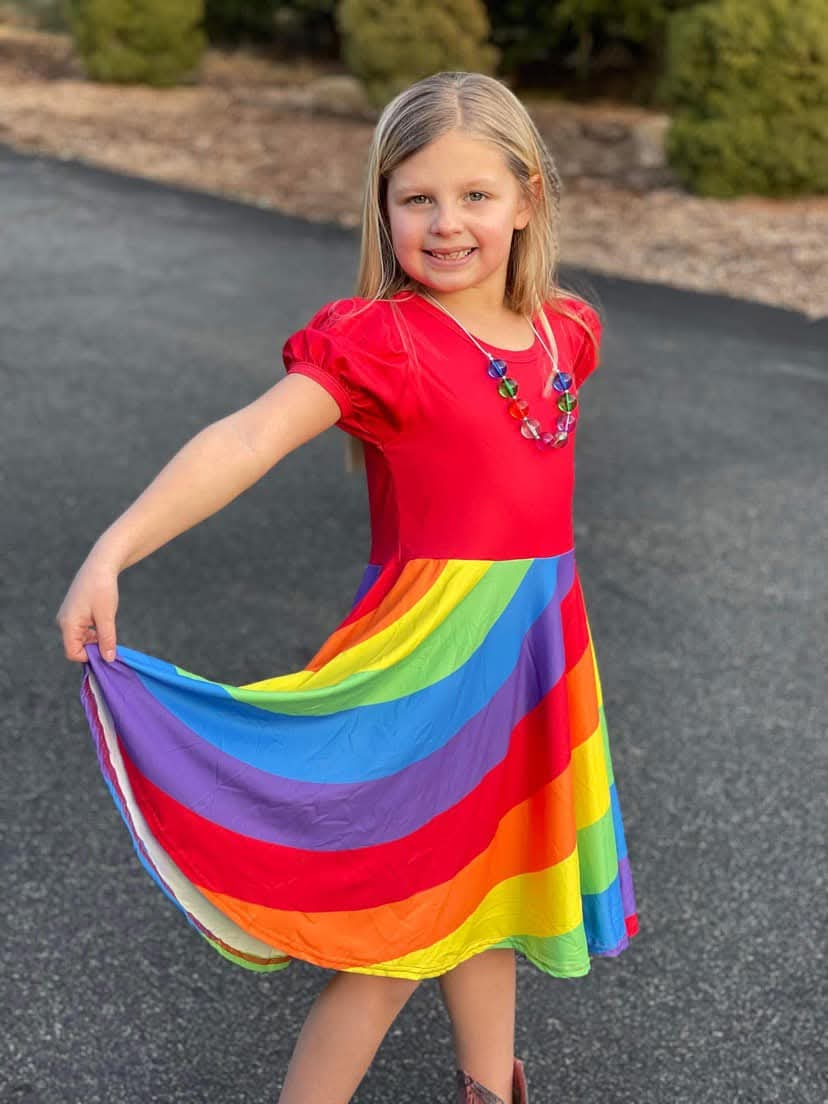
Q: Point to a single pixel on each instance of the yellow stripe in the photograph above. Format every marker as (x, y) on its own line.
(544, 903)
(398, 640)
(590, 785)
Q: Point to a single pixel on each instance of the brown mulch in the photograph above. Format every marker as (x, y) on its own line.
(254, 130)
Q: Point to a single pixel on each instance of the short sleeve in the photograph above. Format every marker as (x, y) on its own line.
(349, 349)
(588, 353)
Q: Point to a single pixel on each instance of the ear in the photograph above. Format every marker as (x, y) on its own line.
(527, 205)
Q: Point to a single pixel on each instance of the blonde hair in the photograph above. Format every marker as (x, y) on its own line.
(484, 108)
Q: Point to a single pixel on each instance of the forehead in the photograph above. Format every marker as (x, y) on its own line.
(452, 160)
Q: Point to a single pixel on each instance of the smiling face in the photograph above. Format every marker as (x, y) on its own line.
(453, 208)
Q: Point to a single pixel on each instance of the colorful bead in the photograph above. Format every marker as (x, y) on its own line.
(508, 388)
(562, 381)
(498, 368)
(559, 439)
(545, 440)
(566, 422)
(567, 402)
(530, 427)
(518, 408)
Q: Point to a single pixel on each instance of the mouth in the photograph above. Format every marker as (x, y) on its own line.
(451, 254)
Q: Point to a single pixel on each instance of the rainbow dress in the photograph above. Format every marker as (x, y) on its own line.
(437, 779)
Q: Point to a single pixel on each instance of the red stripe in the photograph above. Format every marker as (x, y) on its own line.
(316, 881)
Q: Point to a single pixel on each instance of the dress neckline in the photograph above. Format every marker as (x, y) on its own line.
(518, 356)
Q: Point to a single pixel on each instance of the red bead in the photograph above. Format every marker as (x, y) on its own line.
(518, 408)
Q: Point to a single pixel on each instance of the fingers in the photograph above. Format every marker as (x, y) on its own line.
(106, 640)
(76, 635)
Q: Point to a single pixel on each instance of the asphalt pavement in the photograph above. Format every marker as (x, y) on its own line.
(131, 315)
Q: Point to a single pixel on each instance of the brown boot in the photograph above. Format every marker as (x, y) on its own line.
(470, 1091)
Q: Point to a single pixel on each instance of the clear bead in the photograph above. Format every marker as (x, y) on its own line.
(566, 422)
(562, 381)
(530, 427)
(559, 439)
(545, 440)
(497, 369)
(508, 388)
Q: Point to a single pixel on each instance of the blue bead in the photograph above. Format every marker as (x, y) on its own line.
(498, 369)
(562, 381)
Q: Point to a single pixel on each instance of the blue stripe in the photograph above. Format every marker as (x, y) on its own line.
(371, 740)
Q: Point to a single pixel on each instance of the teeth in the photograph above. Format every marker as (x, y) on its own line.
(451, 256)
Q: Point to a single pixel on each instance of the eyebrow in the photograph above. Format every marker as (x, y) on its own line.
(483, 181)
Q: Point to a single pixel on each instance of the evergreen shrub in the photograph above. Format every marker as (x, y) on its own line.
(748, 84)
(157, 42)
(389, 44)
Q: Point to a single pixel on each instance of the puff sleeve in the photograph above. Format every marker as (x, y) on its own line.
(587, 354)
(349, 349)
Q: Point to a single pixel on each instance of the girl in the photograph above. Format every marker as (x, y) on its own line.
(434, 791)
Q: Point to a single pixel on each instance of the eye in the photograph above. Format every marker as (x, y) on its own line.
(481, 194)
(413, 200)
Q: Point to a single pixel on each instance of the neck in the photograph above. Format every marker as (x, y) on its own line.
(471, 302)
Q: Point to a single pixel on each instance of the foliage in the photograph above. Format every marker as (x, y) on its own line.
(573, 35)
(389, 44)
(306, 26)
(157, 42)
(748, 82)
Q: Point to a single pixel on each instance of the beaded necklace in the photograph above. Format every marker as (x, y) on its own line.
(507, 388)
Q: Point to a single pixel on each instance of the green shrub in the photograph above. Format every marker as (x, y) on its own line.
(560, 36)
(235, 21)
(156, 42)
(389, 44)
(748, 82)
(289, 26)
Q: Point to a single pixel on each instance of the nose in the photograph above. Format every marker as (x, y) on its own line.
(445, 220)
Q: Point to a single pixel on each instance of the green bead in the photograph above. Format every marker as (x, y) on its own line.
(508, 388)
(567, 402)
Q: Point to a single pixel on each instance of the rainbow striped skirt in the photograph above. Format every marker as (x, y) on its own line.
(435, 782)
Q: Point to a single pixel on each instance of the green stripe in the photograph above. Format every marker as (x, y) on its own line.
(442, 652)
(560, 955)
(597, 855)
(238, 960)
(602, 720)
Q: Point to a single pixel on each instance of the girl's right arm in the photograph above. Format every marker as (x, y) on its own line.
(211, 470)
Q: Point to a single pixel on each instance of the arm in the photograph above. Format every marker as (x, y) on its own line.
(211, 470)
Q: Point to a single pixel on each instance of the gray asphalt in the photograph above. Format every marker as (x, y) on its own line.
(131, 315)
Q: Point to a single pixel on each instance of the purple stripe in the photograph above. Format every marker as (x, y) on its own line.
(369, 577)
(626, 883)
(337, 816)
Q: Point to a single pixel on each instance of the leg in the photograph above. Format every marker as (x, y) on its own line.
(342, 1033)
(479, 996)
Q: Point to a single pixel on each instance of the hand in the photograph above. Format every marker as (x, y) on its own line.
(87, 613)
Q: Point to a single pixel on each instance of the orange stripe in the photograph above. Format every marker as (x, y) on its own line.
(425, 572)
(535, 835)
(583, 699)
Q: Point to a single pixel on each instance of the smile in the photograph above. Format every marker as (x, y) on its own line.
(453, 255)
(449, 258)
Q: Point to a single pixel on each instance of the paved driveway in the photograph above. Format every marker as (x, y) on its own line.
(131, 315)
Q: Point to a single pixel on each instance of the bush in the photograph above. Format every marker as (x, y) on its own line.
(236, 21)
(389, 44)
(156, 42)
(552, 39)
(748, 81)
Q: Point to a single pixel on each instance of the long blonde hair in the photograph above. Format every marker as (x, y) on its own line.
(483, 108)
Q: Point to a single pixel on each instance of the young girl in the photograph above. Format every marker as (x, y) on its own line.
(434, 791)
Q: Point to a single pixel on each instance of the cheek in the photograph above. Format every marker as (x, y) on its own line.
(403, 230)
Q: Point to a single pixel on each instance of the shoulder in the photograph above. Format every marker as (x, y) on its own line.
(579, 323)
(356, 321)
(576, 315)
